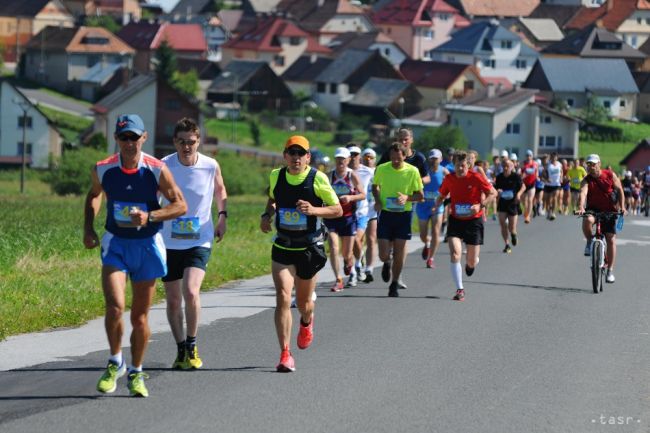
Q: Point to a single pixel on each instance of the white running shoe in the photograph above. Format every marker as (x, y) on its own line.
(610, 276)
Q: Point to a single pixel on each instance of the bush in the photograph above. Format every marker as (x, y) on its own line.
(243, 175)
(442, 138)
(254, 124)
(71, 174)
(97, 141)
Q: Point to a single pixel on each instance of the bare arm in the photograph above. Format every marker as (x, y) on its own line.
(267, 216)
(176, 207)
(91, 209)
(621, 194)
(326, 212)
(220, 197)
(584, 188)
(359, 187)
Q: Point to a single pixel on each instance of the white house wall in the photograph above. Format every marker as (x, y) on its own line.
(390, 52)
(477, 128)
(517, 114)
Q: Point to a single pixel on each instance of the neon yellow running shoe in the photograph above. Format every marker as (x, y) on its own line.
(136, 384)
(181, 362)
(192, 359)
(108, 382)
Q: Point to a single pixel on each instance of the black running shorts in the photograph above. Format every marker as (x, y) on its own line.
(470, 231)
(307, 262)
(178, 260)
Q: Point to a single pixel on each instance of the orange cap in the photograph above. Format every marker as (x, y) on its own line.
(297, 140)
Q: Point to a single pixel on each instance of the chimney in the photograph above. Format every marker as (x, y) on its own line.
(610, 5)
(491, 90)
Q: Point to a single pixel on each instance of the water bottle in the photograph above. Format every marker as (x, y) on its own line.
(619, 223)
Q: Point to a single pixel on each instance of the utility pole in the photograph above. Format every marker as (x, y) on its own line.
(25, 107)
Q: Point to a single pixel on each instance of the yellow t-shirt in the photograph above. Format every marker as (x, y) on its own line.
(322, 189)
(575, 176)
(406, 180)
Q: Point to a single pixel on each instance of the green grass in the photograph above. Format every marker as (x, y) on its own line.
(49, 280)
(611, 153)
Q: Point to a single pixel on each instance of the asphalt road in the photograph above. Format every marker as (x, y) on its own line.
(531, 349)
(58, 103)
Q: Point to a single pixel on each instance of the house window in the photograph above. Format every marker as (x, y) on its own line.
(541, 141)
(639, 20)
(607, 104)
(544, 119)
(426, 55)
(333, 88)
(443, 17)
(569, 102)
(172, 104)
(633, 41)
(520, 64)
(489, 63)
(622, 103)
(550, 141)
(92, 60)
(279, 60)
(506, 45)
(647, 21)
(321, 87)
(27, 121)
(387, 51)
(428, 34)
(19, 149)
(513, 128)
(295, 40)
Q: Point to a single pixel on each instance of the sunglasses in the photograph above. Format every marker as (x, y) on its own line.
(296, 152)
(184, 142)
(128, 137)
(369, 157)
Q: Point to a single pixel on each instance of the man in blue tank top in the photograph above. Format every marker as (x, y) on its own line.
(427, 213)
(132, 245)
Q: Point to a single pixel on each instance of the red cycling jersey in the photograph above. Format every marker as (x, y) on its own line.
(464, 192)
(599, 194)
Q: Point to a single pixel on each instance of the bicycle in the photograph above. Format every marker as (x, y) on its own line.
(598, 258)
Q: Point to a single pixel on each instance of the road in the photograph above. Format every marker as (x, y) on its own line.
(531, 349)
(62, 104)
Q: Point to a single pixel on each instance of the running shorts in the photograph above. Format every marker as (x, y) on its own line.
(394, 225)
(343, 226)
(509, 206)
(307, 262)
(178, 260)
(424, 210)
(142, 259)
(470, 231)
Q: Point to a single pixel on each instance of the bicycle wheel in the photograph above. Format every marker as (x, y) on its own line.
(596, 269)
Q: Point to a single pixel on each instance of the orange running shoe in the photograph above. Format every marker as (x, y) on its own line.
(306, 334)
(287, 364)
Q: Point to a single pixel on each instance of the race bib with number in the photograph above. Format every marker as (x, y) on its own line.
(430, 195)
(292, 219)
(341, 189)
(463, 209)
(507, 194)
(186, 228)
(575, 180)
(530, 170)
(393, 205)
(122, 210)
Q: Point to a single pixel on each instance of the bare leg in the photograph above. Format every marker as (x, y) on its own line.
(333, 239)
(174, 308)
(283, 278)
(399, 257)
(192, 280)
(114, 285)
(142, 295)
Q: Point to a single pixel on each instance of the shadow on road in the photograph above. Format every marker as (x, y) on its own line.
(533, 286)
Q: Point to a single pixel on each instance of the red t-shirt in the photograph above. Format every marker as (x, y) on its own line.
(529, 173)
(464, 192)
(599, 195)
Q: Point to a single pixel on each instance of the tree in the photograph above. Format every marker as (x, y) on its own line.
(254, 125)
(166, 67)
(187, 83)
(443, 138)
(594, 111)
(97, 141)
(105, 21)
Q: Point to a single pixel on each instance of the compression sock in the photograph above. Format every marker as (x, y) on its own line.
(457, 274)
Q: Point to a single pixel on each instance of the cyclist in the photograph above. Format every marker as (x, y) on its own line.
(601, 191)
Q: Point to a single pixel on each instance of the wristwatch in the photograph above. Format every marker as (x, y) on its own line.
(224, 213)
(150, 218)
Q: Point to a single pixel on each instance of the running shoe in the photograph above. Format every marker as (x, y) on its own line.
(352, 281)
(305, 334)
(287, 364)
(431, 264)
(193, 360)
(360, 275)
(552, 217)
(506, 250)
(494, 217)
(338, 286)
(136, 384)
(347, 269)
(392, 290)
(369, 278)
(108, 382)
(527, 220)
(469, 271)
(588, 249)
(385, 272)
(514, 239)
(610, 276)
(181, 361)
(425, 253)
(401, 285)
(460, 295)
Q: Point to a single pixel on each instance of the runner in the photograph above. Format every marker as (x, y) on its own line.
(553, 183)
(299, 196)
(395, 186)
(565, 194)
(365, 175)
(465, 188)
(342, 230)
(425, 211)
(601, 191)
(628, 189)
(538, 204)
(510, 188)
(529, 172)
(413, 157)
(188, 239)
(575, 174)
(369, 157)
(515, 161)
(132, 245)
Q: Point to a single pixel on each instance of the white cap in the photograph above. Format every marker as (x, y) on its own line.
(628, 173)
(513, 156)
(354, 149)
(504, 154)
(593, 158)
(529, 152)
(435, 153)
(368, 151)
(342, 152)
(538, 161)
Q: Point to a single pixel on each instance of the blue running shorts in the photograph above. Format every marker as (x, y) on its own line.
(142, 259)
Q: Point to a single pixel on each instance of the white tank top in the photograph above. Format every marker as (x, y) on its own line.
(195, 228)
(365, 176)
(554, 174)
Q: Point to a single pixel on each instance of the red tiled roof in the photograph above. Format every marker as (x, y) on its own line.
(409, 12)
(438, 75)
(314, 47)
(183, 37)
(499, 8)
(499, 81)
(612, 13)
(263, 36)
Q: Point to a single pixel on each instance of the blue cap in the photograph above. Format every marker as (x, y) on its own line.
(129, 123)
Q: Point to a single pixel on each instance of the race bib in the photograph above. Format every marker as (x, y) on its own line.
(393, 205)
(430, 195)
(463, 209)
(186, 228)
(507, 194)
(341, 189)
(369, 196)
(530, 170)
(575, 180)
(122, 210)
(292, 219)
